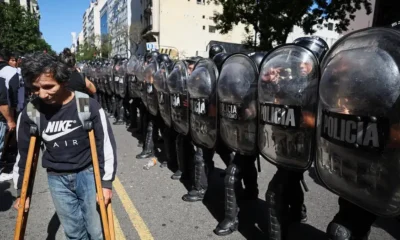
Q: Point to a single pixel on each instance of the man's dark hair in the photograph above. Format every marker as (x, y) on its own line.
(38, 63)
(67, 57)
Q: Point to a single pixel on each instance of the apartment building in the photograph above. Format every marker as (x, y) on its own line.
(118, 26)
(91, 22)
(30, 5)
(180, 28)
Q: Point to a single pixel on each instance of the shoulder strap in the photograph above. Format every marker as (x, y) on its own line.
(82, 105)
(33, 113)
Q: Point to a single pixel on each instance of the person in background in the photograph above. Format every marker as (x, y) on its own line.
(67, 155)
(9, 82)
(76, 82)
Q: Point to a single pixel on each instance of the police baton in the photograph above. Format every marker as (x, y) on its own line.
(106, 213)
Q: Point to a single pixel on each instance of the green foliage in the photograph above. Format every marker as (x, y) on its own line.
(19, 29)
(274, 19)
(106, 46)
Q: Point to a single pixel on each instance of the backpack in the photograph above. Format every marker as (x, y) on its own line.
(82, 105)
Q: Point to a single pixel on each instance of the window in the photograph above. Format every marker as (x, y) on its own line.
(204, 17)
(330, 26)
(204, 27)
(201, 2)
(211, 29)
(211, 18)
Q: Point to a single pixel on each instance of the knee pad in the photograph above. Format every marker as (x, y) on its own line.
(231, 175)
(336, 231)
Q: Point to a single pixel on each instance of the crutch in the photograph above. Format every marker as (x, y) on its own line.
(106, 214)
(27, 184)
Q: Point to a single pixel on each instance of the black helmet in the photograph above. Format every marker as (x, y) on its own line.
(193, 60)
(150, 55)
(396, 25)
(215, 49)
(316, 44)
(257, 58)
(163, 58)
(117, 57)
(219, 59)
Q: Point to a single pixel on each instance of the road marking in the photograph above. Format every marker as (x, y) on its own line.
(119, 234)
(133, 213)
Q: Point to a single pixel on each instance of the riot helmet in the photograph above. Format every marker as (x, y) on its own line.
(316, 44)
(215, 49)
(219, 59)
(257, 58)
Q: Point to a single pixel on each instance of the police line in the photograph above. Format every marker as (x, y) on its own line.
(296, 105)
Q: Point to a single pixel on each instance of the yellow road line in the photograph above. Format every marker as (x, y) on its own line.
(133, 213)
(119, 234)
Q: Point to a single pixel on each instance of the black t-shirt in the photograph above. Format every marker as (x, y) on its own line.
(77, 82)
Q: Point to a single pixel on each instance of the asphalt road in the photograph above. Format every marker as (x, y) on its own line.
(147, 205)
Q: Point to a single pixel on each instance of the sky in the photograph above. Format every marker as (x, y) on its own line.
(58, 18)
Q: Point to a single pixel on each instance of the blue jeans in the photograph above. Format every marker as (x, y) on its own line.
(74, 197)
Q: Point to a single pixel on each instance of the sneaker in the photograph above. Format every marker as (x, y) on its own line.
(5, 177)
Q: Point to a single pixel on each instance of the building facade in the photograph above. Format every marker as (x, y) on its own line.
(181, 28)
(30, 5)
(118, 26)
(104, 20)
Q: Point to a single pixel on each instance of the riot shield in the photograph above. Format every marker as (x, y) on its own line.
(152, 100)
(287, 98)
(110, 79)
(160, 83)
(202, 88)
(237, 98)
(122, 81)
(141, 82)
(179, 97)
(130, 69)
(358, 124)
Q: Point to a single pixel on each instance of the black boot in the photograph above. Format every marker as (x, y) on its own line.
(230, 223)
(278, 208)
(148, 150)
(200, 179)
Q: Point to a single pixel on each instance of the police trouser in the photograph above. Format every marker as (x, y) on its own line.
(204, 164)
(285, 202)
(109, 100)
(185, 153)
(242, 167)
(133, 109)
(118, 108)
(351, 221)
(169, 136)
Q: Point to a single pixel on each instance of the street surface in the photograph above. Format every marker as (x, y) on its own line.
(147, 205)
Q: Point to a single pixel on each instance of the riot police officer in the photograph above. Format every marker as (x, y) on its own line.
(204, 126)
(237, 98)
(358, 130)
(151, 129)
(288, 88)
(120, 86)
(177, 86)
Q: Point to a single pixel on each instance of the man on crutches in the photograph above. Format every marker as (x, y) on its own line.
(78, 164)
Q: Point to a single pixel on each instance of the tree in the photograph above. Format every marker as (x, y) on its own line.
(19, 29)
(135, 36)
(274, 19)
(106, 46)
